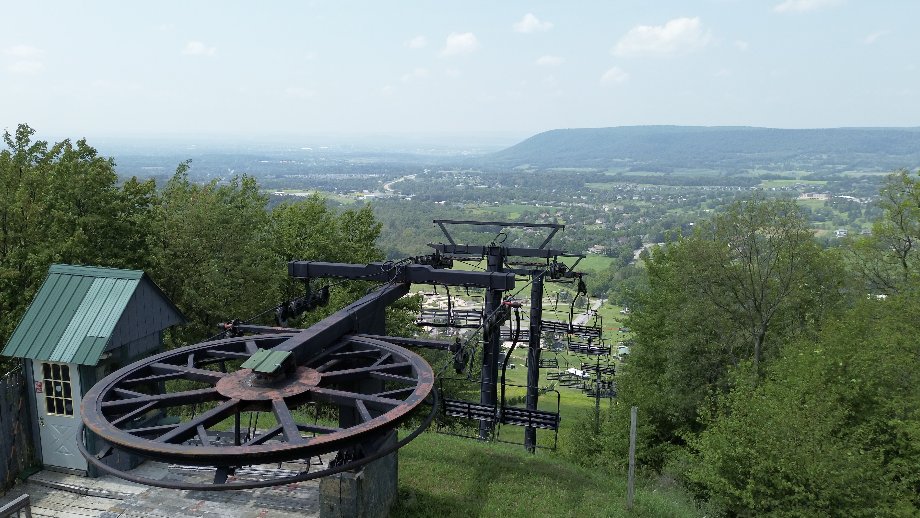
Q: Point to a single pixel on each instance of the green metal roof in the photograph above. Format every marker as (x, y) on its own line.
(266, 361)
(74, 313)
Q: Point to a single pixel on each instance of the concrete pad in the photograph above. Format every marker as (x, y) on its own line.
(60, 495)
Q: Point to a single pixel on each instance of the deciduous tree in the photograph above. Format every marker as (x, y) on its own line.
(62, 203)
(889, 259)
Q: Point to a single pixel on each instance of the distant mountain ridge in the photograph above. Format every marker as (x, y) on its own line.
(720, 147)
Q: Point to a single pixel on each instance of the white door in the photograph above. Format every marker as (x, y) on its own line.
(57, 393)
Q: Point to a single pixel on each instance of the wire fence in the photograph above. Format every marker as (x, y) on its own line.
(16, 449)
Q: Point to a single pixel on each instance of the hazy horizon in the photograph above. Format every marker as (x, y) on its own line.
(489, 73)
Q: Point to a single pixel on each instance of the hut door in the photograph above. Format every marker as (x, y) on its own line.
(57, 393)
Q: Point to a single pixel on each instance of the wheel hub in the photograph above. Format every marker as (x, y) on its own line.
(246, 385)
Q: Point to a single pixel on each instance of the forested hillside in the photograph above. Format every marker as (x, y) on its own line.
(723, 148)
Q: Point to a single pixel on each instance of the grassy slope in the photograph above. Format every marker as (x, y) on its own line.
(441, 475)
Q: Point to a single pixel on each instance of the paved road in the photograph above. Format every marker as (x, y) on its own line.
(388, 187)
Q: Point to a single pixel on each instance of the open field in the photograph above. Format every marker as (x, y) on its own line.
(789, 183)
(445, 476)
(593, 262)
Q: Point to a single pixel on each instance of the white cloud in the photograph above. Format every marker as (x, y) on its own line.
(872, 38)
(300, 93)
(418, 73)
(801, 6)
(197, 48)
(452, 72)
(26, 67)
(418, 42)
(723, 72)
(387, 90)
(26, 59)
(741, 45)
(677, 36)
(614, 76)
(166, 27)
(550, 61)
(23, 52)
(530, 23)
(460, 43)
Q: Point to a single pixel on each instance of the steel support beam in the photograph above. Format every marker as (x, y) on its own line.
(499, 224)
(362, 316)
(410, 273)
(488, 388)
(509, 251)
(412, 342)
(533, 354)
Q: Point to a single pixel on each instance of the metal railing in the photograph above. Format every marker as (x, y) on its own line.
(17, 507)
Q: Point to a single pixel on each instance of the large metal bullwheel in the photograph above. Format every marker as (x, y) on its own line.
(342, 397)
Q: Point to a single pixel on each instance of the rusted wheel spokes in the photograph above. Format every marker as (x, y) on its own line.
(365, 387)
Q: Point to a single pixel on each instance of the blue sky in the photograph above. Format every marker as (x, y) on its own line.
(472, 67)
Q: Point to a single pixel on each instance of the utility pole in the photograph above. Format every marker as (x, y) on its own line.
(533, 354)
(597, 396)
(488, 388)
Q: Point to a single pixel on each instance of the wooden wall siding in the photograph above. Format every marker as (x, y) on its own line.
(17, 450)
(138, 349)
(146, 313)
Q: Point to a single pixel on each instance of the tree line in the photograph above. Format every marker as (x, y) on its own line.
(774, 376)
(214, 249)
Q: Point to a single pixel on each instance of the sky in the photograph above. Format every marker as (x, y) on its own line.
(504, 69)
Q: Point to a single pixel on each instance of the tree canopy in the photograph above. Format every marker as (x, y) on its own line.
(214, 248)
(767, 380)
(63, 203)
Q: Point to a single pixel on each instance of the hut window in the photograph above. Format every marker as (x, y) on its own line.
(58, 395)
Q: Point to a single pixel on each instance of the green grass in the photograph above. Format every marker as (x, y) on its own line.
(441, 476)
(813, 204)
(789, 183)
(509, 211)
(593, 262)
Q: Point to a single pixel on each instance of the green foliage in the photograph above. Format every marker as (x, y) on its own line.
(758, 263)
(441, 475)
(827, 422)
(211, 254)
(62, 203)
(683, 348)
(888, 259)
(213, 248)
(834, 429)
(222, 255)
(591, 440)
(310, 229)
(744, 283)
(401, 316)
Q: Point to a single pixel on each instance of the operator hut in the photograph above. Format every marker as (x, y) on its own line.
(84, 323)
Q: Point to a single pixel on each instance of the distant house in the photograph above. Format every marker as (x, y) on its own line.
(814, 196)
(840, 232)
